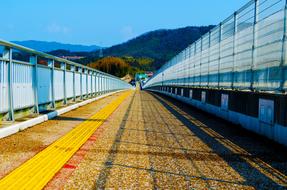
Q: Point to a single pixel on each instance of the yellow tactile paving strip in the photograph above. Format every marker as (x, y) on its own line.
(37, 172)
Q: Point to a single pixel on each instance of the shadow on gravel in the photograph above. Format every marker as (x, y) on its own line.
(106, 170)
(273, 156)
(61, 118)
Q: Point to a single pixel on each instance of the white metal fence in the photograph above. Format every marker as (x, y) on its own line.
(26, 84)
(245, 51)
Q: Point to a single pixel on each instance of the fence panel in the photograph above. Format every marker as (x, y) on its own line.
(44, 85)
(246, 51)
(4, 99)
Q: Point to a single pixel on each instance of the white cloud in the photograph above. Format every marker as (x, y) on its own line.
(127, 32)
(56, 28)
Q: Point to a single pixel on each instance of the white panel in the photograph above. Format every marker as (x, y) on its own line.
(59, 85)
(203, 96)
(94, 83)
(190, 93)
(69, 84)
(84, 84)
(224, 101)
(89, 84)
(23, 93)
(3, 87)
(44, 85)
(78, 84)
(266, 111)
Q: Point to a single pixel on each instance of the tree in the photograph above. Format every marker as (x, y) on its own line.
(112, 65)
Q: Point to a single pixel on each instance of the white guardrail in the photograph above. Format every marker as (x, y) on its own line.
(43, 80)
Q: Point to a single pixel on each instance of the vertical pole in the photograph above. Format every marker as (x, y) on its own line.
(97, 85)
(87, 82)
(256, 11)
(105, 84)
(208, 67)
(188, 67)
(64, 68)
(33, 61)
(101, 84)
(93, 83)
(219, 58)
(283, 53)
(195, 47)
(200, 66)
(7, 54)
(81, 81)
(73, 69)
(234, 49)
(51, 64)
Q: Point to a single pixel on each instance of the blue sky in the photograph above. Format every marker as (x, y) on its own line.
(105, 22)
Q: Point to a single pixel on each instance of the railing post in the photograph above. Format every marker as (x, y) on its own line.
(256, 11)
(200, 65)
(92, 84)
(234, 50)
(87, 82)
(283, 53)
(105, 84)
(7, 54)
(63, 67)
(33, 61)
(219, 58)
(81, 82)
(51, 64)
(208, 67)
(100, 83)
(96, 84)
(73, 69)
(195, 47)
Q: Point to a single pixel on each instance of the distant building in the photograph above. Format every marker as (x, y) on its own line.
(72, 57)
(149, 74)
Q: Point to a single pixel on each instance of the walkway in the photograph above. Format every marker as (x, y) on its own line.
(153, 142)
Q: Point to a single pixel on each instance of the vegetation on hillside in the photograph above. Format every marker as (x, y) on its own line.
(112, 65)
(158, 46)
(120, 67)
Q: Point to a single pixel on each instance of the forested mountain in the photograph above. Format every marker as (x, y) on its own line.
(159, 45)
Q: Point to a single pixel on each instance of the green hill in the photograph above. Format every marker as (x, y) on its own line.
(159, 45)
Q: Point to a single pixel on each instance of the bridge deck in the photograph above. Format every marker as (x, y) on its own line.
(148, 142)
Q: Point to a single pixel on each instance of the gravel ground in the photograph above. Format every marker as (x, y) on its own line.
(18, 148)
(152, 143)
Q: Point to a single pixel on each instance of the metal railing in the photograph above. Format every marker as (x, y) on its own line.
(247, 51)
(44, 79)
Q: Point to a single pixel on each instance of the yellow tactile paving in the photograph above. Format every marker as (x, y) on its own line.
(37, 172)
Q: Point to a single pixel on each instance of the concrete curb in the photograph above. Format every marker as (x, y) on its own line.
(10, 130)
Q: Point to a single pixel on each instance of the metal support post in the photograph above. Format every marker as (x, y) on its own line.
(256, 12)
(51, 64)
(33, 61)
(7, 54)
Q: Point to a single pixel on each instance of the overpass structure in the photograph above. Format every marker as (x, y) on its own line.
(237, 71)
(67, 126)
